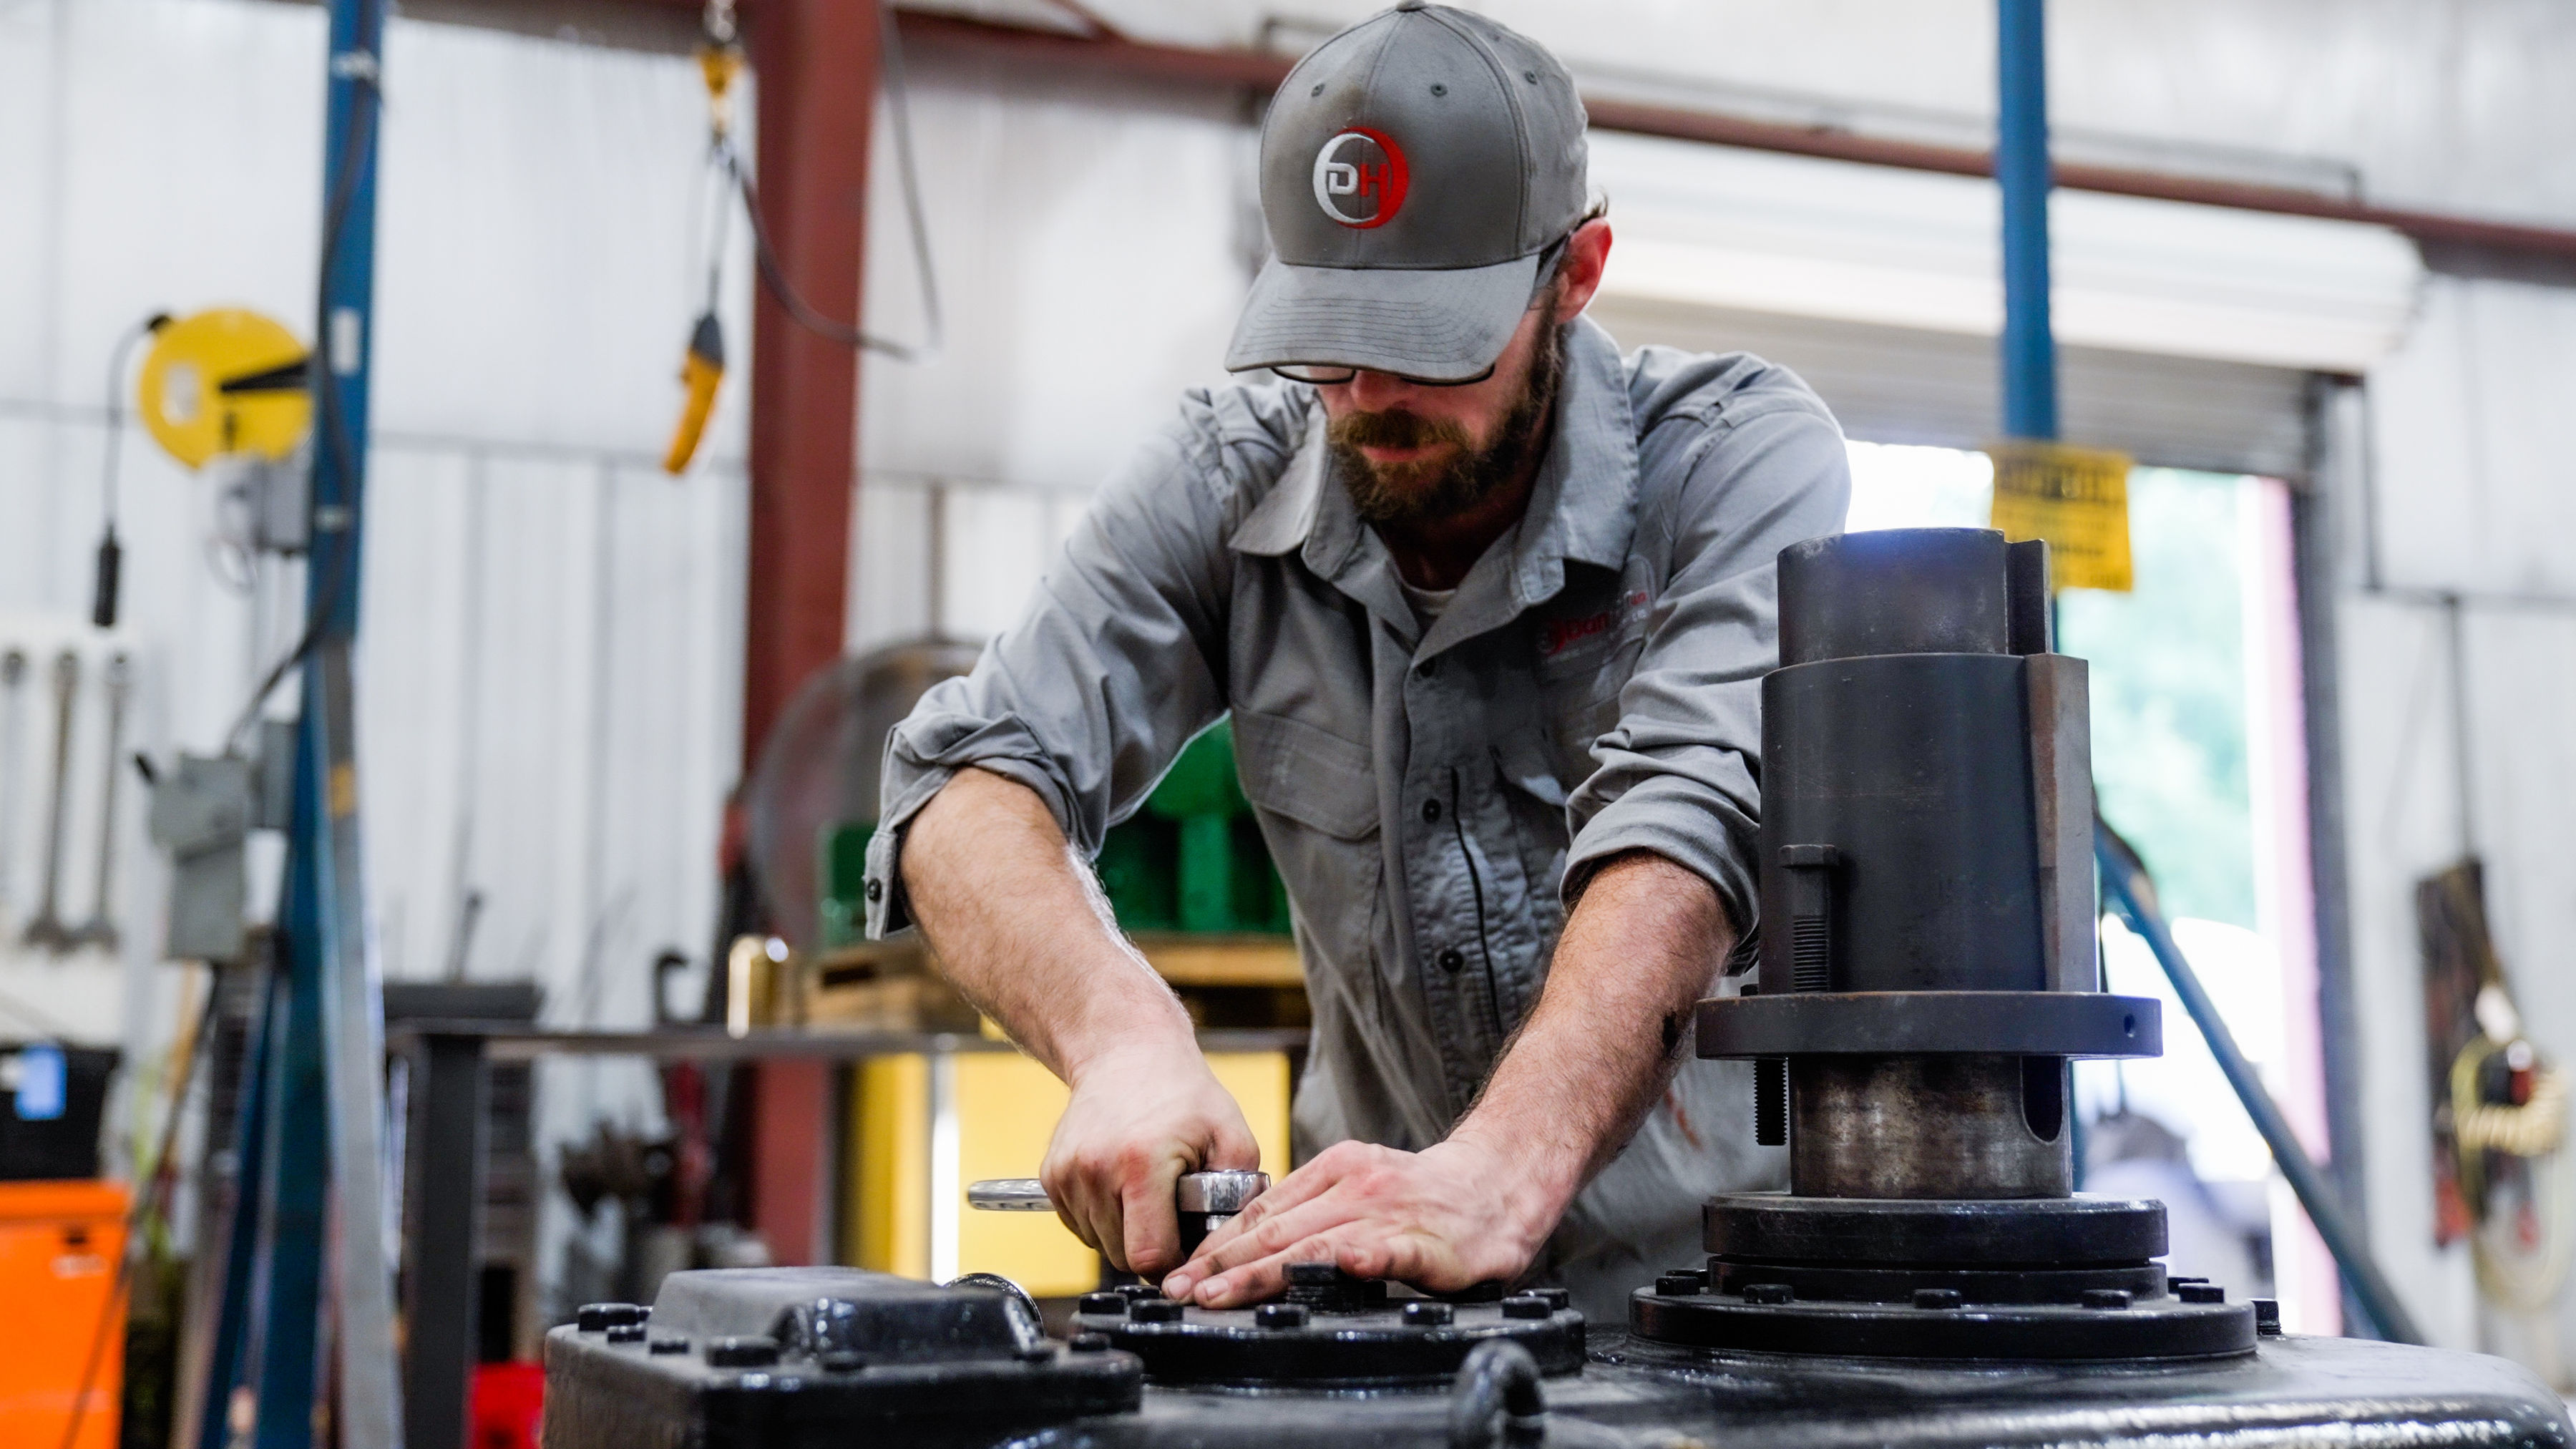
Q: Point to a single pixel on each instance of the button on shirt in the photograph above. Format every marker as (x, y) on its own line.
(1433, 784)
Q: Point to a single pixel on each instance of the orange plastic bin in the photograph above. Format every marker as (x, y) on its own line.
(59, 1246)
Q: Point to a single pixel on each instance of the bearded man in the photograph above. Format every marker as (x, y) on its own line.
(1488, 606)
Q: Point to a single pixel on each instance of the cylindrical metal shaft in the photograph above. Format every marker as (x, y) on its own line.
(1951, 1126)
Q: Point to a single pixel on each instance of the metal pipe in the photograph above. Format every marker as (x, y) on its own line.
(1262, 71)
(2021, 168)
(2132, 893)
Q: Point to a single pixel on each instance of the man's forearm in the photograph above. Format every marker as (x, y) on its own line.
(1021, 929)
(1599, 1048)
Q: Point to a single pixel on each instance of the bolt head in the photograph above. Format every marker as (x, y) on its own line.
(1936, 1298)
(1428, 1314)
(1153, 1310)
(1772, 1294)
(2267, 1317)
(1090, 1343)
(600, 1317)
(1528, 1305)
(626, 1333)
(667, 1345)
(2201, 1293)
(755, 1351)
(842, 1360)
(1103, 1303)
(1280, 1315)
(1314, 1275)
(2106, 1297)
(1677, 1285)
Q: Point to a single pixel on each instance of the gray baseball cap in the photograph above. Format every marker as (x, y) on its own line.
(1413, 170)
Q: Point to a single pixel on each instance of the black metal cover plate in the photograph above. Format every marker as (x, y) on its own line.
(2054, 1232)
(1370, 1349)
(1898, 1283)
(1920, 1023)
(2156, 1329)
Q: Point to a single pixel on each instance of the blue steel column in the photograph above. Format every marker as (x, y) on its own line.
(321, 937)
(2021, 166)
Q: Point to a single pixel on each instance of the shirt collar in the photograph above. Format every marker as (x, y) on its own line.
(1582, 507)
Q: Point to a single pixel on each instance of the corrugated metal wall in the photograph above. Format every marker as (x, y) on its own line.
(549, 667)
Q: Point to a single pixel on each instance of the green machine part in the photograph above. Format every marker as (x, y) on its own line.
(1191, 860)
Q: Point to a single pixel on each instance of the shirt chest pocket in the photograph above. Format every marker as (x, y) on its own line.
(1584, 656)
(1315, 794)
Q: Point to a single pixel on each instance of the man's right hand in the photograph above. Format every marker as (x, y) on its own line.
(1141, 1115)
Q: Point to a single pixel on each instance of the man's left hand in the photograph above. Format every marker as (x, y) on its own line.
(1443, 1219)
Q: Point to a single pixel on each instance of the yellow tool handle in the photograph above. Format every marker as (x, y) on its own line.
(700, 373)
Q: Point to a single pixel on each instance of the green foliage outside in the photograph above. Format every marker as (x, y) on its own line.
(2169, 707)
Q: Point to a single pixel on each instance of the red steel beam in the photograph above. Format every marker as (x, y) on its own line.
(1262, 70)
(816, 63)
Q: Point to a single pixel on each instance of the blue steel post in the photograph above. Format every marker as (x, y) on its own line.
(320, 935)
(2021, 166)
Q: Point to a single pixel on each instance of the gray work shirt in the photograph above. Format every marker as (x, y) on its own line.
(1430, 794)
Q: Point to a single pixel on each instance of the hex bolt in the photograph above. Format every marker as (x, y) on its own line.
(756, 1351)
(1314, 1275)
(842, 1360)
(1677, 1285)
(1153, 1310)
(1090, 1343)
(2201, 1293)
(2106, 1297)
(667, 1345)
(1428, 1314)
(1559, 1299)
(1137, 1290)
(1103, 1303)
(599, 1317)
(1037, 1353)
(2267, 1317)
(626, 1333)
(1528, 1305)
(1769, 1293)
(1280, 1315)
(2173, 1282)
(1936, 1298)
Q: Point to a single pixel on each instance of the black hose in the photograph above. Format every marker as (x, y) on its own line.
(1495, 1398)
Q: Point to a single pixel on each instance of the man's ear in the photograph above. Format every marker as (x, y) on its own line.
(1587, 253)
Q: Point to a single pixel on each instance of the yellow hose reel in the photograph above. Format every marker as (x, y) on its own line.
(225, 381)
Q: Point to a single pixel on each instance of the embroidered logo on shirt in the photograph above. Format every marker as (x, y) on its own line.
(1558, 636)
(1360, 178)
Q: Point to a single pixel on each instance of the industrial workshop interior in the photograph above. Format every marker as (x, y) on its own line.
(1150, 723)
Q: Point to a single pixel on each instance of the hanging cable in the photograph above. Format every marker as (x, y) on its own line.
(111, 554)
(774, 276)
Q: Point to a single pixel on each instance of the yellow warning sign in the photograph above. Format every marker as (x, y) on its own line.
(2076, 498)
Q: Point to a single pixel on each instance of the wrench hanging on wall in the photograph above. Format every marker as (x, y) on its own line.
(47, 930)
(98, 930)
(13, 750)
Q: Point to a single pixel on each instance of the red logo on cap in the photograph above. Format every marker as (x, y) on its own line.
(1360, 178)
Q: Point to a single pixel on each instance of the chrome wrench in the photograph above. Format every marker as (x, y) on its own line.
(13, 749)
(1206, 1200)
(98, 930)
(47, 930)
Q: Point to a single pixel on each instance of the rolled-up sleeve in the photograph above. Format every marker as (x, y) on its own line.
(1118, 660)
(1680, 774)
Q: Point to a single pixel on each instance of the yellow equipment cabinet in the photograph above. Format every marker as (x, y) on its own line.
(922, 1127)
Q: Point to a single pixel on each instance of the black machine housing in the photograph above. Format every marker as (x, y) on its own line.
(1926, 972)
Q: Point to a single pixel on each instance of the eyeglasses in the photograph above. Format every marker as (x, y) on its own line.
(1335, 374)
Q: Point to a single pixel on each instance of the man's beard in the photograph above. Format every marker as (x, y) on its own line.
(1462, 477)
